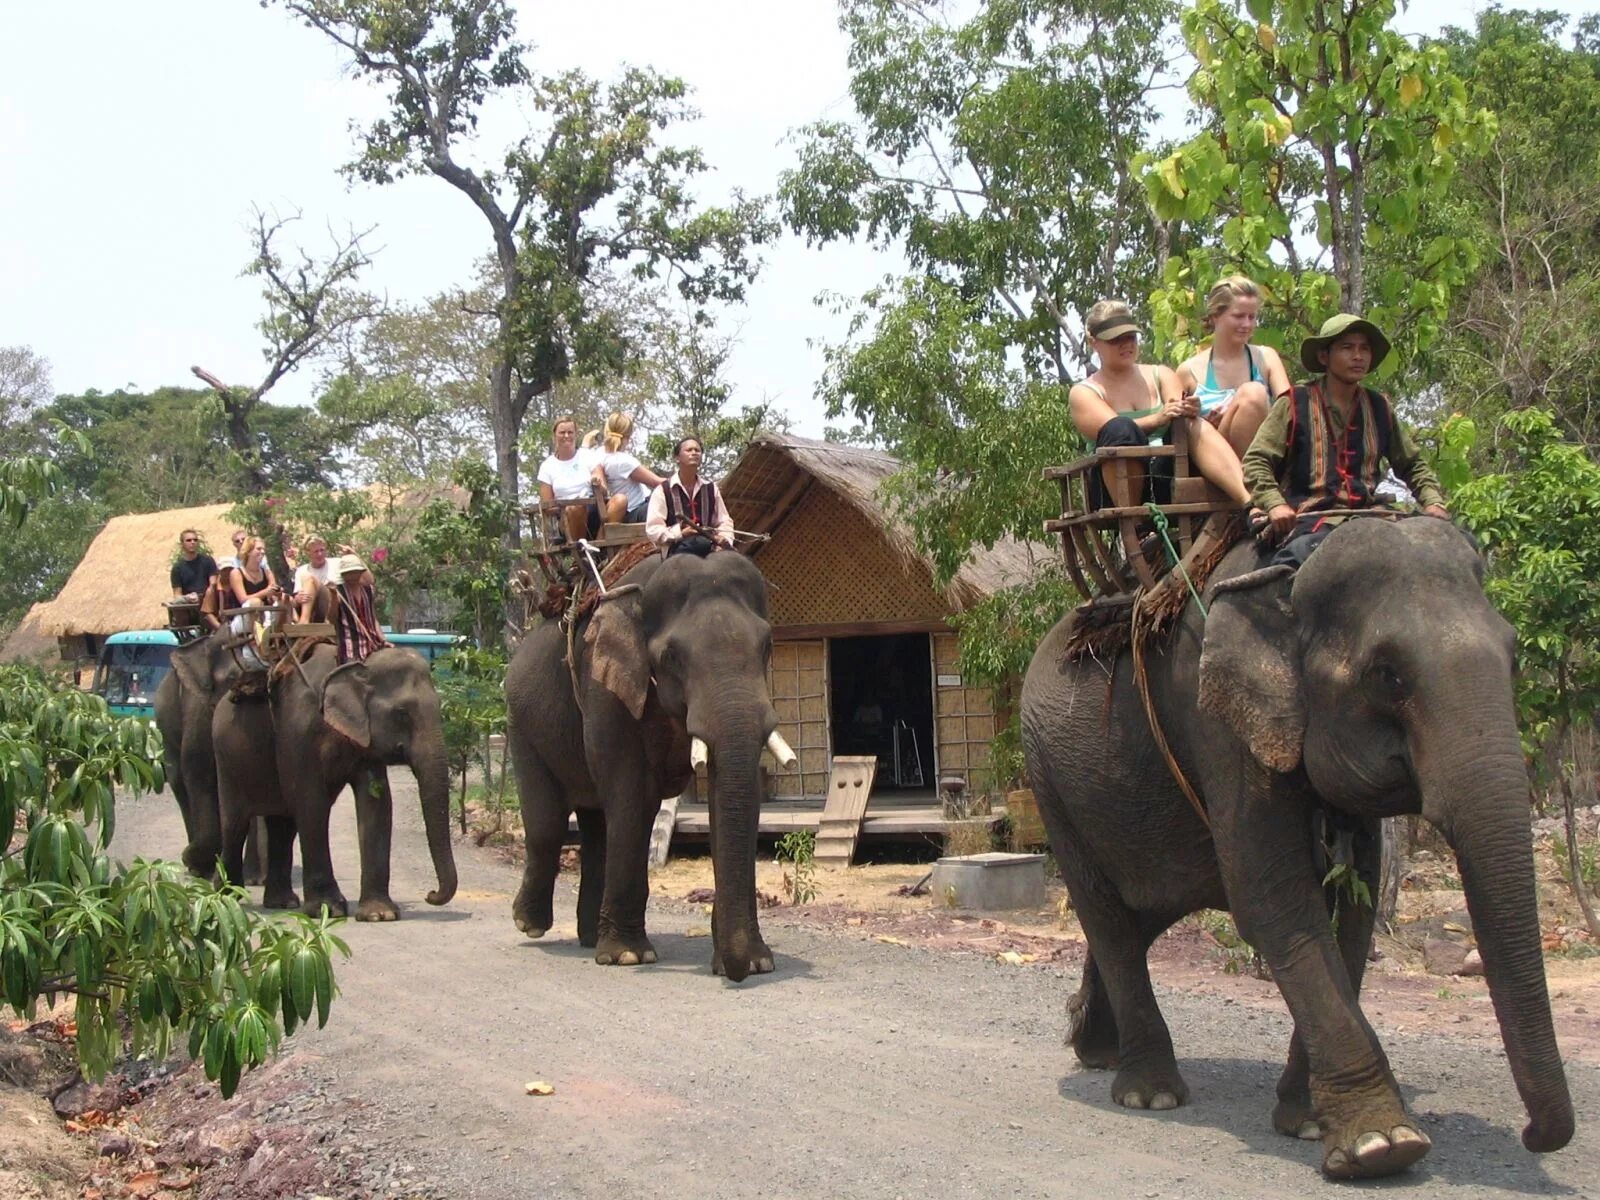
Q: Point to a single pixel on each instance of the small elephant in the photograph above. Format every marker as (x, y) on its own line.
(1303, 709)
(322, 728)
(671, 670)
(185, 701)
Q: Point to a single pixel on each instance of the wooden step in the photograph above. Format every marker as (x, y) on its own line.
(849, 785)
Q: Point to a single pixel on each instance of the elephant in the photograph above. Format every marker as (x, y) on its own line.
(671, 672)
(202, 671)
(1301, 708)
(322, 726)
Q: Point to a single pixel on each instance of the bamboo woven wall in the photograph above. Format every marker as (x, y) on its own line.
(965, 720)
(828, 564)
(798, 679)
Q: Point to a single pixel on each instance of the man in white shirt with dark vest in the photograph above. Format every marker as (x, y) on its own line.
(687, 515)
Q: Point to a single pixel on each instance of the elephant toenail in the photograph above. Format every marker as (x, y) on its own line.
(1371, 1148)
(1336, 1163)
(1309, 1131)
(1163, 1101)
(763, 966)
(1133, 1100)
(627, 959)
(649, 956)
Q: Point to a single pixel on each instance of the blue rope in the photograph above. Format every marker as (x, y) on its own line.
(1160, 519)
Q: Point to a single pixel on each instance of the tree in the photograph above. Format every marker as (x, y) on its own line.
(310, 303)
(994, 152)
(24, 388)
(590, 190)
(1539, 523)
(142, 946)
(412, 389)
(1523, 331)
(1326, 136)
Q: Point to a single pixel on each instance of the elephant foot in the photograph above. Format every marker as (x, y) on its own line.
(1373, 1153)
(534, 916)
(1296, 1119)
(254, 877)
(1093, 1041)
(280, 900)
(336, 906)
(1157, 1088)
(615, 951)
(587, 938)
(379, 908)
(761, 962)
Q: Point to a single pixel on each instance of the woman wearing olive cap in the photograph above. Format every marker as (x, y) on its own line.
(1127, 404)
(1329, 443)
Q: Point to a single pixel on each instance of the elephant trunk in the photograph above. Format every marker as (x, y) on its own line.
(433, 785)
(735, 735)
(1480, 804)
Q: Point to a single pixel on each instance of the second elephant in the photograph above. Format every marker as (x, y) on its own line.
(287, 758)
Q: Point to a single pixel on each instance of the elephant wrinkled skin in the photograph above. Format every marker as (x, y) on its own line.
(1376, 681)
(681, 653)
(287, 758)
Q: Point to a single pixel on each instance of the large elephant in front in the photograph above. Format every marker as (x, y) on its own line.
(1376, 681)
(321, 728)
(202, 672)
(670, 670)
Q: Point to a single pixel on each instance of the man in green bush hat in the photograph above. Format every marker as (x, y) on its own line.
(1330, 442)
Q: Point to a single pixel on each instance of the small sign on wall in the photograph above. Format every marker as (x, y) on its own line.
(949, 681)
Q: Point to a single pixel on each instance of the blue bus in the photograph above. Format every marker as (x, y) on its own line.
(131, 667)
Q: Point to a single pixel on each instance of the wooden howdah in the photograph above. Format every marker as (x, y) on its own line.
(1114, 550)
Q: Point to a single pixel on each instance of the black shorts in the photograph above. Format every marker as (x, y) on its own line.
(1121, 431)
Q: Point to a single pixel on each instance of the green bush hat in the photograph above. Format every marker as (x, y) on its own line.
(1335, 327)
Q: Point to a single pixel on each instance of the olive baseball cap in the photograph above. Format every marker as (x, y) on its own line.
(1336, 327)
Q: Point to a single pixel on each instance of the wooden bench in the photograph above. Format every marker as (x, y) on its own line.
(1105, 549)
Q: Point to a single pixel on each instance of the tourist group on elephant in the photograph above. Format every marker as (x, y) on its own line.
(1338, 664)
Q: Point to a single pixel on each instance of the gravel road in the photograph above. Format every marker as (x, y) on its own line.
(857, 1069)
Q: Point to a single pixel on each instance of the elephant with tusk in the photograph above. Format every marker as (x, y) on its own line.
(671, 676)
(1375, 681)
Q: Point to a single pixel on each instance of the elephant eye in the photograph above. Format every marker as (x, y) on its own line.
(1389, 680)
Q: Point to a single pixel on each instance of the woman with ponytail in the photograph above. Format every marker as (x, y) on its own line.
(623, 483)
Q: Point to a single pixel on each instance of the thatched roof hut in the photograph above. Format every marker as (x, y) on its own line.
(27, 643)
(865, 657)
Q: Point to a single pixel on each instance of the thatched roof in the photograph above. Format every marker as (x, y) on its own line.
(27, 643)
(776, 470)
(122, 579)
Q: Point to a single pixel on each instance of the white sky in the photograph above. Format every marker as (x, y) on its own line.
(135, 138)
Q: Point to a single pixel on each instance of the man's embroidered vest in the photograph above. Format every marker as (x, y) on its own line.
(705, 504)
(1330, 471)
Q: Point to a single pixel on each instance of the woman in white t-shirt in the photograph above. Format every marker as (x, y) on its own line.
(564, 479)
(619, 476)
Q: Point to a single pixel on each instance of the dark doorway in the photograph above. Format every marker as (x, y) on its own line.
(882, 704)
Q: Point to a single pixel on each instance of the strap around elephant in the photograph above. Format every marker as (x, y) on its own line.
(1142, 680)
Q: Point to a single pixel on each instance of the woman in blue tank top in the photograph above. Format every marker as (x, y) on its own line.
(1234, 382)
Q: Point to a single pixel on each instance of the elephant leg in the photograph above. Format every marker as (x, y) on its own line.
(1265, 847)
(255, 853)
(544, 822)
(591, 874)
(279, 891)
(1091, 1025)
(1294, 1114)
(316, 859)
(375, 832)
(622, 941)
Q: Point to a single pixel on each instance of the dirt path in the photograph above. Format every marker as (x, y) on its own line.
(861, 1067)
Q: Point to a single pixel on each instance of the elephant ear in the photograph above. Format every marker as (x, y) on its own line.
(619, 660)
(192, 665)
(1250, 667)
(345, 696)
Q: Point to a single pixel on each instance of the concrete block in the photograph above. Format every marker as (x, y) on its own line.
(991, 882)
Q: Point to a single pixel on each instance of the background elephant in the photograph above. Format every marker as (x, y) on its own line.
(1376, 681)
(674, 667)
(288, 757)
(202, 671)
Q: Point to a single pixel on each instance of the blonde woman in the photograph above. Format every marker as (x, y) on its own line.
(623, 483)
(1234, 382)
(1125, 403)
(564, 480)
(253, 585)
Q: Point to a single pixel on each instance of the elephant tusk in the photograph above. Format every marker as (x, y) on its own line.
(698, 753)
(780, 749)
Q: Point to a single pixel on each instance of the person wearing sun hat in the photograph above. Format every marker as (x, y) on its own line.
(355, 622)
(1330, 442)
